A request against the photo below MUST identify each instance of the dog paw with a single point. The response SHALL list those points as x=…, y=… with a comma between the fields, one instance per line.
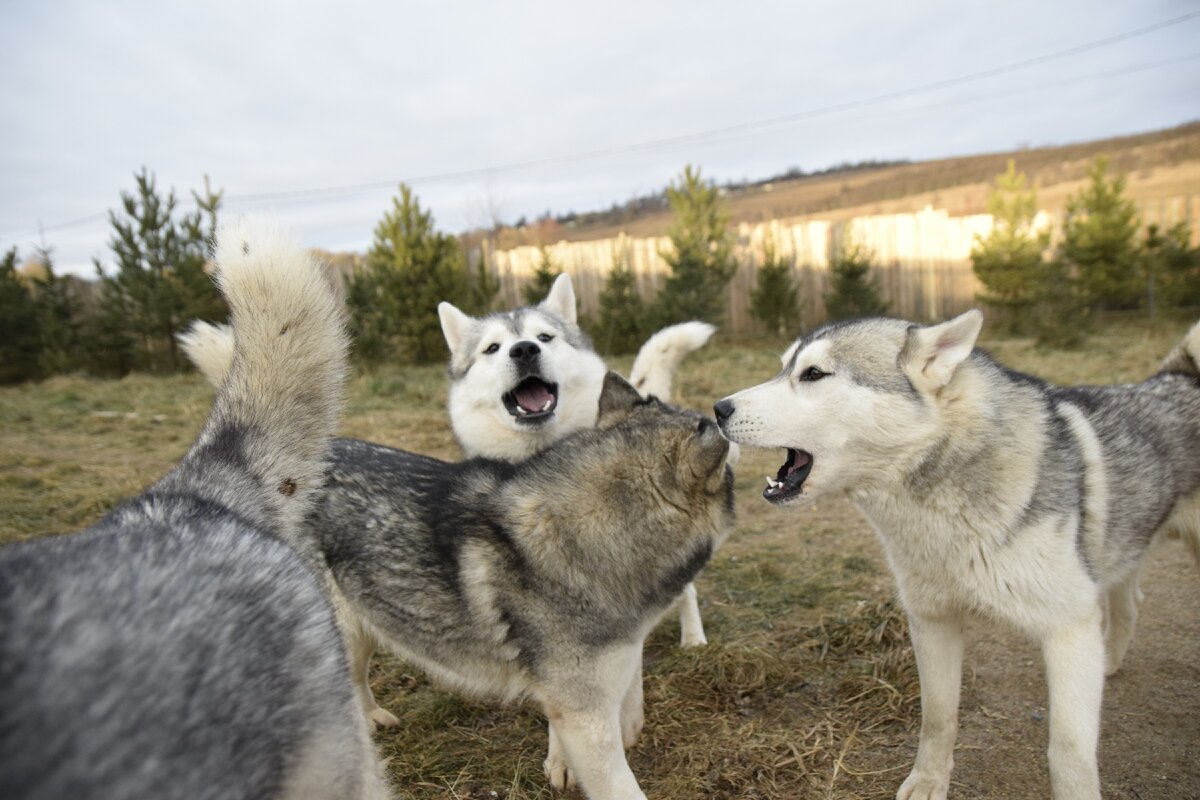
x=383, y=718
x=924, y=786
x=558, y=773
x=692, y=639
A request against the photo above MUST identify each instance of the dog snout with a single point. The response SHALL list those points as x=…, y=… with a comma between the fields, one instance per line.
x=524, y=352
x=723, y=410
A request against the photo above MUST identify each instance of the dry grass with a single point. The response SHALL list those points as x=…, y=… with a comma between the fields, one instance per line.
x=807, y=690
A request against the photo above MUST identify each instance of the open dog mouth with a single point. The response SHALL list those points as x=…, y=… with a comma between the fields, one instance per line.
x=532, y=400
x=789, y=481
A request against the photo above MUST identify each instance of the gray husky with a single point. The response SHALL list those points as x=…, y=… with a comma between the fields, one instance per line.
x=184, y=646
x=996, y=497
x=539, y=579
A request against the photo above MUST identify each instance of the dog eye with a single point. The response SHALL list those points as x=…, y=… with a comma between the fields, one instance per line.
x=544, y=337
x=813, y=374
x=491, y=348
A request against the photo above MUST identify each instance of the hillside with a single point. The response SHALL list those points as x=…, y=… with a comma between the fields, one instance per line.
x=1159, y=164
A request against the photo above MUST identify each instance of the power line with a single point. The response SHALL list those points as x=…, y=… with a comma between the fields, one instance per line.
x=682, y=139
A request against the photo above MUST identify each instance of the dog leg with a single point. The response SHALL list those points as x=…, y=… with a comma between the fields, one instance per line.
x=1075, y=674
x=691, y=627
x=1122, y=604
x=632, y=712
x=938, y=646
x=585, y=718
x=361, y=648
x=555, y=765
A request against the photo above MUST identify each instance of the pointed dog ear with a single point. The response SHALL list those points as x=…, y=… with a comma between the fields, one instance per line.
x=617, y=398
x=932, y=354
x=454, y=325
x=561, y=300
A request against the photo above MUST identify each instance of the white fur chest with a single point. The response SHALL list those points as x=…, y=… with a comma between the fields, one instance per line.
x=956, y=565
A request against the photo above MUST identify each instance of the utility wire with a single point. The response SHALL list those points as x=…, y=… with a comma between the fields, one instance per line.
x=683, y=139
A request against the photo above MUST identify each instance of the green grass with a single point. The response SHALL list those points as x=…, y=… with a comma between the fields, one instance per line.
x=807, y=689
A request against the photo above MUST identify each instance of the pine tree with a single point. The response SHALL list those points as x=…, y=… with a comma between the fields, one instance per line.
x=701, y=258
x=622, y=323
x=159, y=285
x=1009, y=260
x=538, y=287
x=410, y=269
x=1171, y=267
x=775, y=302
x=484, y=286
x=852, y=290
x=20, y=339
x=1100, y=242
x=58, y=318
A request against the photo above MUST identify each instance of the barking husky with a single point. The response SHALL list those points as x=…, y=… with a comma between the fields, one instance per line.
x=996, y=497
x=522, y=380
x=183, y=647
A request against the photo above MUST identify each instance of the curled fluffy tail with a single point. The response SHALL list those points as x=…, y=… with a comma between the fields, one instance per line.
x=279, y=396
x=1186, y=355
x=656, y=363
x=210, y=349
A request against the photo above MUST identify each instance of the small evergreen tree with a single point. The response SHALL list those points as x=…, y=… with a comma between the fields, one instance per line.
x=538, y=287
x=411, y=267
x=852, y=290
x=20, y=339
x=159, y=285
x=775, y=302
x=484, y=286
x=58, y=318
x=701, y=258
x=1171, y=267
x=1009, y=260
x=1099, y=244
x=622, y=323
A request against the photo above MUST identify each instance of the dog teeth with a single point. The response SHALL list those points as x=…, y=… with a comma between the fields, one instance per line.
x=521, y=411
x=772, y=483
x=549, y=403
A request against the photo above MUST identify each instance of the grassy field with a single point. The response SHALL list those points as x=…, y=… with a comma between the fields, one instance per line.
x=808, y=688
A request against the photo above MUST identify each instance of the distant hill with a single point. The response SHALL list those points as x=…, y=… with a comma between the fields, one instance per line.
x=1159, y=164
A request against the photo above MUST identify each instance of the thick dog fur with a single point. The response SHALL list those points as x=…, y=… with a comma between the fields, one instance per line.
x=182, y=647
x=539, y=579
x=996, y=497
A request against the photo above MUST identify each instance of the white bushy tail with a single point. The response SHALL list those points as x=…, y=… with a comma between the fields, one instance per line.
x=1186, y=355
x=279, y=395
x=654, y=368
x=210, y=349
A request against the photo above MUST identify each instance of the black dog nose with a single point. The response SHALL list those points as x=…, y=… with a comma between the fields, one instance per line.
x=524, y=352
x=723, y=409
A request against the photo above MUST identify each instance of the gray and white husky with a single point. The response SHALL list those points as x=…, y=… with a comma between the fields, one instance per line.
x=522, y=380
x=184, y=646
x=996, y=497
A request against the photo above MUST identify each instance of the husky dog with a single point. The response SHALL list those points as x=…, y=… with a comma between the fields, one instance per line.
x=184, y=647
x=539, y=579
x=521, y=380
x=996, y=497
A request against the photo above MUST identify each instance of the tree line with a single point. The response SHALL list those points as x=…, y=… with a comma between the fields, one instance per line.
x=129, y=318
x=1104, y=261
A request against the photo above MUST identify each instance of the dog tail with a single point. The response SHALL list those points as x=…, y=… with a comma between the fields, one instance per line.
x=1186, y=355
x=210, y=349
x=656, y=363
x=279, y=380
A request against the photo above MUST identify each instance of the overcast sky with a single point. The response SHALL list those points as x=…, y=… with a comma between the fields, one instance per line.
x=276, y=97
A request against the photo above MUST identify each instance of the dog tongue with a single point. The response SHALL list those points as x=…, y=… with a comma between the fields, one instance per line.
x=533, y=396
x=799, y=462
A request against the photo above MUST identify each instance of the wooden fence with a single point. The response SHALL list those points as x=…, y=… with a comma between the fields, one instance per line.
x=922, y=259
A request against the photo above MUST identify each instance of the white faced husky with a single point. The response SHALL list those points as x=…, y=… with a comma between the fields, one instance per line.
x=996, y=497
x=521, y=380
